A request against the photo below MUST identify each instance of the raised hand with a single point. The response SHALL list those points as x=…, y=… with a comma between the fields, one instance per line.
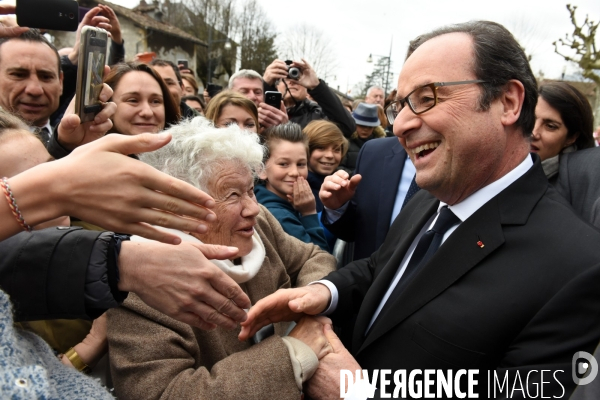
x=181, y=282
x=338, y=189
x=302, y=198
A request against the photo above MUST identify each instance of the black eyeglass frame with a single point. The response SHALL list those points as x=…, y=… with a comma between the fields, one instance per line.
x=391, y=114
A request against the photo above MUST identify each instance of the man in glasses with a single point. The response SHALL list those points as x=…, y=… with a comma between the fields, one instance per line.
x=486, y=268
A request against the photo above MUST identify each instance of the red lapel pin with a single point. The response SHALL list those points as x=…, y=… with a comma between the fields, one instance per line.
x=480, y=244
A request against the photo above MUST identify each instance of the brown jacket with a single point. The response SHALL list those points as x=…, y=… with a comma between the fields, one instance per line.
x=153, y=356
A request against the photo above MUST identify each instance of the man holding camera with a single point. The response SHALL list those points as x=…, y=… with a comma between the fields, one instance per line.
x=249, y=84
x=296, y=80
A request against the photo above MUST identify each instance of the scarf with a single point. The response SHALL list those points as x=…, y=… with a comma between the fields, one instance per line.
x=250, y=263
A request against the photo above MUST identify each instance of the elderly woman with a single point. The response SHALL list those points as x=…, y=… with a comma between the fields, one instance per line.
x=154, y=356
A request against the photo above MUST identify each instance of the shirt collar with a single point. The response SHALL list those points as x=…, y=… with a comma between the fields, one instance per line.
x=475, y=201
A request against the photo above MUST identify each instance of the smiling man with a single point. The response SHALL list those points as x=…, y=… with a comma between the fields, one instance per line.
x=486, y=268
x=30, y=79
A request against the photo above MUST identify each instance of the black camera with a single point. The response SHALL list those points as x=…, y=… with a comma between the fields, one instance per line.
x=293, y=72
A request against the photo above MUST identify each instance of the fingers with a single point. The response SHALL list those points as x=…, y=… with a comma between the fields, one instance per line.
x=102, y=120
x=270, y=116
x=7, y=9
x=217, y=252
x=12, y=31
x=179, y=190
x=193, y=320
x=273, y=308
x=354, y=181
x=205, y=316
x=332, y=338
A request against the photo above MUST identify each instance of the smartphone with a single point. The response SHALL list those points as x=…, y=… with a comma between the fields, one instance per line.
x=90, y=72
x=273, y=99
x=183, y=64
x=60, y=15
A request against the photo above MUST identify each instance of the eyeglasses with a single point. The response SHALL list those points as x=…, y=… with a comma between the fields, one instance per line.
x=422, y=99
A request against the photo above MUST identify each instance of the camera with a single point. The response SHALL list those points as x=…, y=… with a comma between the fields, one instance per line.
x=293, y=72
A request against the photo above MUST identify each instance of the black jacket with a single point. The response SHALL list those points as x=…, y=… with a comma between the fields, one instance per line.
x=60, y=272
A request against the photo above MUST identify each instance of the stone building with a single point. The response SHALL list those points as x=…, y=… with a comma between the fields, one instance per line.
x=143, y=31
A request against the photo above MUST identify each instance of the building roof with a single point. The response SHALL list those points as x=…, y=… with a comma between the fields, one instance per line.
x=150, y=23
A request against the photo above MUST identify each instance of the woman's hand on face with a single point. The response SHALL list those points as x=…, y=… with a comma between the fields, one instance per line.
x=302, y=198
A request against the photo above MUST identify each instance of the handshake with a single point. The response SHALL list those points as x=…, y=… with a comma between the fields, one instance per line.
x=302, y=304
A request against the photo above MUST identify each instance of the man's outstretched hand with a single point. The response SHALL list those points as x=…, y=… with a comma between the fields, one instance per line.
x=285, y=305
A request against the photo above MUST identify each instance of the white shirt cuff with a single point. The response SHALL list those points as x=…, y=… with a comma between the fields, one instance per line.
x=334, y=215
x=334, y=296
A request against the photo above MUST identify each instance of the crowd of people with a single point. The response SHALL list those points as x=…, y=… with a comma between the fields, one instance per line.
x=211, y=245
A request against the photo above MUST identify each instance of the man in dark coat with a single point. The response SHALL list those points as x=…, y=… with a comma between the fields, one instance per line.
x=487, y=268
x=300, y=109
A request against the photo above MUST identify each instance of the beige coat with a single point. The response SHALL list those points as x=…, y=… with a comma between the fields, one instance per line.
x=153, y=356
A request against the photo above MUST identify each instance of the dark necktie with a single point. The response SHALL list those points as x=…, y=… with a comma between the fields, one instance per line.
x=412, y=189
x=43, y=134
x=426, y=248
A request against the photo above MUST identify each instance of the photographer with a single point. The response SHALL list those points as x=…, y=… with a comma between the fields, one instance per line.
x=299, y=108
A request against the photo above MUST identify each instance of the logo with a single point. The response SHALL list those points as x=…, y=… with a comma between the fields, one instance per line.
x=587, y=370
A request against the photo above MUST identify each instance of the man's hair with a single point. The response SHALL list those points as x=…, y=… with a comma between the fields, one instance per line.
x=198, y=152
x=159, y=62
x=244, y=73
x=288, y=132
x=229, y=97
x=199, y=99
x=322, y=133
x=112, y=79
x=498, y=59
x=373, y=88
x=34, y=35
x=574, y=109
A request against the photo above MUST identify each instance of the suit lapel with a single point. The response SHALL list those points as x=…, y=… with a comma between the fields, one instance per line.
x=405, y=229
x=461, y=251
x=391, y=175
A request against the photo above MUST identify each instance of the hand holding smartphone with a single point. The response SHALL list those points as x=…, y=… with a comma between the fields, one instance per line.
x=61, y=15
x=273, y=99
x=90, y=72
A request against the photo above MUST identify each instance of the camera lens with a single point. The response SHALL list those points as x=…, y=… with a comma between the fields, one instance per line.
x=71, y=15
x=294, y=73
x=93, y=34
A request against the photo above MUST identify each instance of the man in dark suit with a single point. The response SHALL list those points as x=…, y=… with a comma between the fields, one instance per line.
x=579, y=182
x=487, y=268
x=362, y=210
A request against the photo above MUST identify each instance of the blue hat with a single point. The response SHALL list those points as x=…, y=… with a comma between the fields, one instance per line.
x=366, y=115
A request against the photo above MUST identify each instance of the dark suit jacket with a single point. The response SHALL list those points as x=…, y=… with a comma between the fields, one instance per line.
x=579, y=182
x=528, y=298
x=367, y=220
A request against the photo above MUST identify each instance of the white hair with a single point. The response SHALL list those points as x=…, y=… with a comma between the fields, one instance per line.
x=374, y=87
x=244, y=73
x=198, y=152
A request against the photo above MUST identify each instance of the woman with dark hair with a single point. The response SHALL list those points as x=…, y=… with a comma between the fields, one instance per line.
x=144, y=103
x=228, y=108
x=564, y=123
